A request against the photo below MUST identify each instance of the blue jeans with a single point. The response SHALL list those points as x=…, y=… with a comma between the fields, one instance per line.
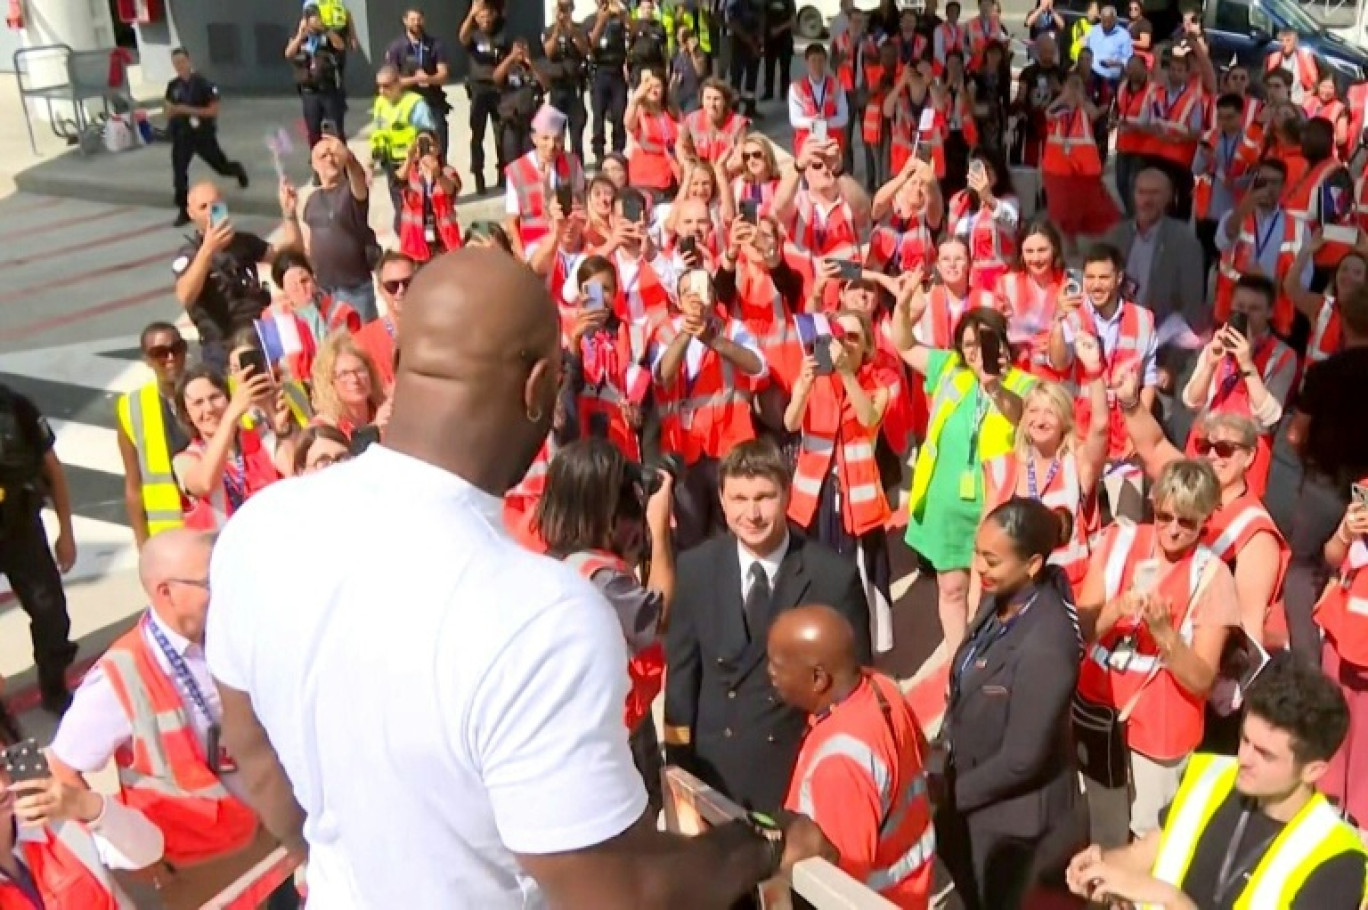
x=360, y=298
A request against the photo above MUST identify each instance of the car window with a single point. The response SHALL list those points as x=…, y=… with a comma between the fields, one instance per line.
x=1232, y=16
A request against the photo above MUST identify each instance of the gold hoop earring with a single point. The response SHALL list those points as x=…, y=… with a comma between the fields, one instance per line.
x=534, y=418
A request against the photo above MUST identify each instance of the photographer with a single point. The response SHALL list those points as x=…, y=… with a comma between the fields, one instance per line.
x=567, y=53
x=429, y=187
x=316, y=52
x=605, y=516
x=521, y=87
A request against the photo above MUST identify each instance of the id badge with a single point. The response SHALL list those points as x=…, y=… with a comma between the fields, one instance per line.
x=968, y=486
x=430, y=234
x=1122, y=655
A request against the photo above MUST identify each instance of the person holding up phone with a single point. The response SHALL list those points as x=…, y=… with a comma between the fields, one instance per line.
x=1071, y=171
x=986, y=214
x=825, y=213
x=652, y=133
x=817, y=98
x=427, y=222
x=976, y=404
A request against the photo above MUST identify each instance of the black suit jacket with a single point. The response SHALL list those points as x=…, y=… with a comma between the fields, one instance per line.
x=723, y=720
x=1008, y=722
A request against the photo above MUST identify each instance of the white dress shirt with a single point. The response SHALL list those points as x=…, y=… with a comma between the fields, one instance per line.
x=95, y=726
x=441, y=697
x=770, y=562
x=798, y=118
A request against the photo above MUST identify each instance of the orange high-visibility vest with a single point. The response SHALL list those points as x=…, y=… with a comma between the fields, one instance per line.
x=1239, y=256
x=602, y=398
x=522, y=499
x=871, y=124
x=710, y=415
x=992, y=244
x=761, y=307
x=936, y=328
x=1330, y=110
x=1062, y=490
x=1326, y=338
x=650, y=151
x=1229, y=530
x=646, y=668
x=835, y=237
x=1168, y=720
x=644, y=298
x=163, y=771
x=1343, y=607
x=868, y=750
x=1070, y=149
x=1302, y=198
x=1030, y=314
x=836, y=444
x=817, y=106
x=907, y=134
x=1137, y=330
x=529, y=184
x=211, y=512
x=1357, y=99
x=952, y=40
x=907, y=248
x=710, y=143
x=1173, y=114
x=762, y=193
x=1130, y=104
x=844, y=48
x=1228, y=158
x=67, y=873
x=980, y=35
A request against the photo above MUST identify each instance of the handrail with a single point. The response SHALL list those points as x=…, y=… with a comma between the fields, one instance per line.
x=250, y=890
x=691, y=807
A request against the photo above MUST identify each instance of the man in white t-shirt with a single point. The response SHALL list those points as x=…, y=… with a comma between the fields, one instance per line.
x=436, y=711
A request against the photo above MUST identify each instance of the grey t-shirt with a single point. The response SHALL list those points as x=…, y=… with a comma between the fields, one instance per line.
x=340, y=237
x=638, y=609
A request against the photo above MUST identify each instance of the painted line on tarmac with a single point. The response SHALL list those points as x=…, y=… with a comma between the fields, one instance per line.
x=82, y=277
x=107, y=240
x=57, y=322
x=75, y=220
x=37, y=202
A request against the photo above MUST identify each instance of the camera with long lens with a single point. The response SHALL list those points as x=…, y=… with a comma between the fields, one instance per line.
x=646, y=476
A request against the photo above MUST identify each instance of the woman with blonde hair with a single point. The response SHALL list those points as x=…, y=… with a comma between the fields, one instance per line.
x=757, y=170
x=1053, y=464
x=347, y=393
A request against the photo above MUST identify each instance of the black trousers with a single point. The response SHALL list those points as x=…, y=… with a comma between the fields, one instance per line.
x=569, y=100
x=745, y=69
x=441, y=117
x=184, y=147
x=320, y=108
x=609, y=99
x=1320, y=506
x=484, y=109
x=778, y=67
x=515, y=140
x=1205, y=228
x=26, y=560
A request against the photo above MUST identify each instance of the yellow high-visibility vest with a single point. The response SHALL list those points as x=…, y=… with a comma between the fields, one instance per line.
x=393, y=130
x=141, y=419
x=333, y=14
x=1314, y=836
x=703, y=32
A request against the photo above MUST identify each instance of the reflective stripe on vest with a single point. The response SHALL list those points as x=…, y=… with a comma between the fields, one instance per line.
x=1324, y=341
x=141, y=418
x=66, y=869
x=1224, y=546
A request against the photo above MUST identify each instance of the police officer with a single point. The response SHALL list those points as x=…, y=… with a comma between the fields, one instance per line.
x=424, y=66
x=746, y=28
x=397, y=117
x=648, y=45
x=567, y=51
x=192, y=105
x=316, y=52
x=216, y=271
x=482, y=35
x=608, y=88
x=520, y=94
x=30, y=474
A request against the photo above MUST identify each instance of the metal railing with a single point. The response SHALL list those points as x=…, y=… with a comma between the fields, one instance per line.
x=691, y=807
x=61, y=78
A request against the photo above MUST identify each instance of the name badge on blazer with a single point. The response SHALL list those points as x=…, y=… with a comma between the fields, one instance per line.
x=996, y=691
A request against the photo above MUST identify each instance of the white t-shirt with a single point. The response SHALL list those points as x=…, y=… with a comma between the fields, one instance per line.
x=440, y=697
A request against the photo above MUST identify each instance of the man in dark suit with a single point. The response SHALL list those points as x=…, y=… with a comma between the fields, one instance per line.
x=723, y=720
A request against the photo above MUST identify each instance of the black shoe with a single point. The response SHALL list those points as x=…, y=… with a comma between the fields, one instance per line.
x=480, y=187
x=768, y=96
x=182, y=219
x=56, y=701
x=243, y=180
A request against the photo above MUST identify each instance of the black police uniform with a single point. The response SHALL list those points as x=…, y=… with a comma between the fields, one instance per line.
x=411, y=57
x=565, y=69
x=191, y=136
x=746, y=17
x=486, y=52
x=232, y=296
x=25, y=555
x=318, y=77
x=648, y=48
x=608, y=86
x=519, y=97
x=778, y=67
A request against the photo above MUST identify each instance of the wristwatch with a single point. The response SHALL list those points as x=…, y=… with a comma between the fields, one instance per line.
x=766, y=827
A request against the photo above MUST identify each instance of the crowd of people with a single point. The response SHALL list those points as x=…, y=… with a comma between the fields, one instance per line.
x=722, y=385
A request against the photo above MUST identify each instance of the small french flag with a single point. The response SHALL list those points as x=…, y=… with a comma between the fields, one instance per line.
x=283, y=335
x=812, y=326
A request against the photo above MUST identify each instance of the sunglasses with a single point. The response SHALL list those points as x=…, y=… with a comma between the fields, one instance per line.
x=752, y=156
x=163, y=351
x=1222, y=447
x=395, y=285
x=1168, y=518
x=818, y=165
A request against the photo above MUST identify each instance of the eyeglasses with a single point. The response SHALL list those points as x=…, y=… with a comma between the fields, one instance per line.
x=163, y=351
x=201, y=583
x=1168, y=518
x=1223, y=448
x=357, y=374
x=395, y=285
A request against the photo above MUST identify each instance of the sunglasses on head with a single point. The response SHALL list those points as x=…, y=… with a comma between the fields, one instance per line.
x=163, y=351
x=1168, y=518
x=395, y=285
x=1222, y=447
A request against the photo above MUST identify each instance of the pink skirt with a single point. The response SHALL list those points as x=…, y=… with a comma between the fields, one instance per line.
x=1079, y=205
x=1346, y=781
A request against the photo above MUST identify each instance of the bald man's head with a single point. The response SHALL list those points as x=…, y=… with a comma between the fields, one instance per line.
x=174, y=570
x=813, y=661
x=479, y=368
x=202, y=195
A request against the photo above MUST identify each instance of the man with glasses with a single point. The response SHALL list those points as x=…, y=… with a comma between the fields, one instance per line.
x=150, y=436
x=150, y=705
x=379, y=338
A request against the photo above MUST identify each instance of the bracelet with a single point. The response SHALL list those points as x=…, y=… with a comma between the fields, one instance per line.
x=1342, y=535
x=766, y=828
x=1128, y=406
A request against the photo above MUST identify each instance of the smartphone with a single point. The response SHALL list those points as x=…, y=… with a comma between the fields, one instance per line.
x=750, y=211
x=1073, y=283
x=688, y=246
x=849, y=269
x=565, y=196
x=25, y=761
x=924, y=152
x=1360, y=493
x=593, y=296
x=977, y=170
x=696, y=282
x=424, y=145
x=218, y=213
x=990, y=345
x=632, y=209
x=1240, y=323
x=821, y=352
x=1146, y=576
x=328, y=128
x=819, y=130
x=253, y=360
x=362, y=438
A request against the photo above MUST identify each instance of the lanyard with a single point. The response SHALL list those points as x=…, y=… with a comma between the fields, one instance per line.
x=180, y=670
x=389, y=327
x=1031, y=489
x=1261, y=242
x=1227, y=152
x=235, y=481
x=981, y=642
x=1230, y=873
x=416, y=49
x=980, y=413
x=1165, y=109
x=819, y=101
